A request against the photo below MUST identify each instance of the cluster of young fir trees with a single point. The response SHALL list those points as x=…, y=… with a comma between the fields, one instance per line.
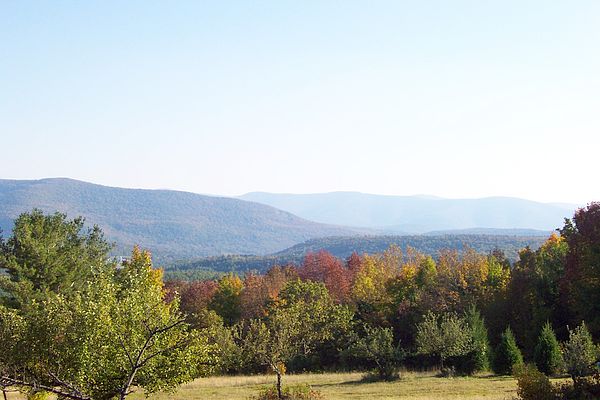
x=75, y=324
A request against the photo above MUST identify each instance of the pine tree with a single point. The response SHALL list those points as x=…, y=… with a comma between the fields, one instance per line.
x=478, y=358
x=547, y=355
x=579, y=352
x=507, y=354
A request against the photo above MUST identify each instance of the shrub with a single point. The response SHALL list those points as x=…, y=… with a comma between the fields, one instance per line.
x=584, y=388
x=293, y=392
x=533, y=384
x=445, y=336
x=507, y=354
x=377, y=348
x=547, y=355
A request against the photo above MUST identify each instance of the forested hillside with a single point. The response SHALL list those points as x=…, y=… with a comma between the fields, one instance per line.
x=343, y=247
x=171, y=224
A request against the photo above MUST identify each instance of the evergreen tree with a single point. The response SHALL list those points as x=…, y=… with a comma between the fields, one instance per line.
x=580, y=353
x=547, y=355
x=507, y=354
x=478, y=359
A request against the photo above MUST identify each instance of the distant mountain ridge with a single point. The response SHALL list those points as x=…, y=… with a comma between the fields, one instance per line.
x=172, y=224
x=493, y=232
x=418, y=214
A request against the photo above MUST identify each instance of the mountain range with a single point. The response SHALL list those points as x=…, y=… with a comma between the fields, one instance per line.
x=177, y=225
x=420, y=214
x=172, y=224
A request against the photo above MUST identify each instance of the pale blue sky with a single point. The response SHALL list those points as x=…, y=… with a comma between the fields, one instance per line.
x=451, y=98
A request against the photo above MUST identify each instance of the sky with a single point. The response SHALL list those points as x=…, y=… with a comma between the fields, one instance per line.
x=457, y=99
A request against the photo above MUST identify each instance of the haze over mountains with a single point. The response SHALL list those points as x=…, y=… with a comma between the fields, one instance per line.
x=178, y=225
x=173, y=224
x=420, y=214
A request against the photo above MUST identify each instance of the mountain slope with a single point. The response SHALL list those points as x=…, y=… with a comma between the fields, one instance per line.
x=418, y=214
x=172, y=224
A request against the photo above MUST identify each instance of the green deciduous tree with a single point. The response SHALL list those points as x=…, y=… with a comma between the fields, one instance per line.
x=226, y=301
x=303, y=317
x=114, y=332
x=377, y=346
x=443, y=336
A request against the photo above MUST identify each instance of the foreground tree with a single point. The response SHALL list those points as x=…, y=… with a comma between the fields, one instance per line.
x=49, y=253
x=301, y=319
x=115, y=332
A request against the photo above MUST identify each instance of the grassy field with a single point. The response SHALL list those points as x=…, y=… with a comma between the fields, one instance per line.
x=413, y=386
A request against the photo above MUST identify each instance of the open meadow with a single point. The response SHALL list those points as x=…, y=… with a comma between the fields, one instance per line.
x=338, y=386
x=334, y=386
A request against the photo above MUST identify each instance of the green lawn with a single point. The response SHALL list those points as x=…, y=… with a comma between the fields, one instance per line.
x=413, y=386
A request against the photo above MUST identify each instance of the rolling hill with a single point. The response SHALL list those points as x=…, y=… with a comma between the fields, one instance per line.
x=342, y=247
x=172, y=224
x=418, y=214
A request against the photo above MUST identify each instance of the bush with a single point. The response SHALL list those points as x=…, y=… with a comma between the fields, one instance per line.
x=533, y=384
x=377, y=348
x=294, y=392
x=585, y=388
x=547, y=355
x=507, y=354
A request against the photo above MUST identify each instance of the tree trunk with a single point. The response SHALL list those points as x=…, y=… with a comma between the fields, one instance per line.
x=279, y=394
x=4, y=394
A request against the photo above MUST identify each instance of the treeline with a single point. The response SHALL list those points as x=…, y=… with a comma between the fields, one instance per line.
x=463, y=311
x=343, y=246
x=74, y=323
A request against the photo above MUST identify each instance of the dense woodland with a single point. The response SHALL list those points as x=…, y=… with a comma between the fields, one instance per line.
x=343, y=246
x=74, y=323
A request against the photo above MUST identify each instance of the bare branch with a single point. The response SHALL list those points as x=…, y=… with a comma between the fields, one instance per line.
x=59, y=392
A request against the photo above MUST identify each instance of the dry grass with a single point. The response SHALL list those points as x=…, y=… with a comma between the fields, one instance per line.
x=412, y=386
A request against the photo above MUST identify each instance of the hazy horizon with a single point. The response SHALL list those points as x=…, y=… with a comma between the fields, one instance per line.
x=240, y=195
x=458, y=100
